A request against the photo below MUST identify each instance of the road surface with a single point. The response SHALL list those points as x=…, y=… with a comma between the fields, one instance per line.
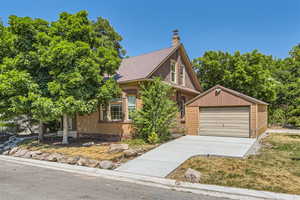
x=23, y=182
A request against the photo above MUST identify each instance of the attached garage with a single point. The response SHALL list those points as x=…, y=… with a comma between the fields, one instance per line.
x=224, y=112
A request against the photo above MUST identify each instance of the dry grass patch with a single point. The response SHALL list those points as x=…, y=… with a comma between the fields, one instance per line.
x=276, y=168
x=98, y=151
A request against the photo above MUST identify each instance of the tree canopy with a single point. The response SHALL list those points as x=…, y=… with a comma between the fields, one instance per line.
x=275, y=81
x=61, y=67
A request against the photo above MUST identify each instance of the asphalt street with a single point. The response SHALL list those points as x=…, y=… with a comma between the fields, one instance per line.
x=23, y=182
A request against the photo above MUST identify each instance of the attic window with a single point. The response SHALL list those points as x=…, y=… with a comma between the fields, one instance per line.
x=173, y=71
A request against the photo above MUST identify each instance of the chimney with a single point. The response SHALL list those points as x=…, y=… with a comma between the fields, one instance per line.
x=175, y=38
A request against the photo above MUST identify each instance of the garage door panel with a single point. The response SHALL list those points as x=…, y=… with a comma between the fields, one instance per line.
x=224, y=121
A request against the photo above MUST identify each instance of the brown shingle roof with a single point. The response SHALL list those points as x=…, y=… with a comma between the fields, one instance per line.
x=139, y=67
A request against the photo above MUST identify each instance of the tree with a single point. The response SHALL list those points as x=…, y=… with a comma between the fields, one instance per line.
x=286, y=108
x=81, y=55
x=248, y=73
x=65, y=62
x=158, y=113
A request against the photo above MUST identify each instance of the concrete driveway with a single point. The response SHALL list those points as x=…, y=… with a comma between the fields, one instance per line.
x=164, y=159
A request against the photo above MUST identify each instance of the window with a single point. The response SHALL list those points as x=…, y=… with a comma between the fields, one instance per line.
x=116, y=111
x=182, y=75
x=131, y=105
x=173, y=71
x=113, y=111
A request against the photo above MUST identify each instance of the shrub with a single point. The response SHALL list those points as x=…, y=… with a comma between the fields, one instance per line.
x=158, y=113
x=153, y=138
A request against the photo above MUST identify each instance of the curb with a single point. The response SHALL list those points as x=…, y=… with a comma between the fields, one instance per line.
x=210, y=190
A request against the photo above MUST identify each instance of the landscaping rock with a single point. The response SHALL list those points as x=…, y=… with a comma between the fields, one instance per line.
x=106, y=164
x=43, y=156
x=114, y=148
x=55, y=157
x=72, y=160
x=88, y=144
x=5, y=153
x=130, y=153
x=14, y=150
x=82, y=162
x=192, y=176
x=93, y=163
x=21, y=152
x=28, y=154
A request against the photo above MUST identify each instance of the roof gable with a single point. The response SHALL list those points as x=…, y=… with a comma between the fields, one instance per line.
x=139, y=67
x=232, y=92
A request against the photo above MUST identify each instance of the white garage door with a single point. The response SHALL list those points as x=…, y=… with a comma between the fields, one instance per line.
x=224, y=121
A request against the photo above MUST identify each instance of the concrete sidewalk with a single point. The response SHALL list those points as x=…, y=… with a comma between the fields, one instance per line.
x=164, y=159
x=285, y=130
x=211, y=190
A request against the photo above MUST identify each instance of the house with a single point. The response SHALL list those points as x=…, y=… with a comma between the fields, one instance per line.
x=218, y=111
x=171, y=64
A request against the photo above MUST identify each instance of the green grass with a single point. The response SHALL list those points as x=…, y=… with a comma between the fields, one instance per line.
x=276, y=168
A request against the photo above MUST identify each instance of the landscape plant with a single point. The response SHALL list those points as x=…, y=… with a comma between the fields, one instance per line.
x=157, y=116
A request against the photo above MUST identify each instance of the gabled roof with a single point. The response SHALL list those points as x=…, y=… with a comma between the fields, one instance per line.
x=233, y=92
x=139, y=67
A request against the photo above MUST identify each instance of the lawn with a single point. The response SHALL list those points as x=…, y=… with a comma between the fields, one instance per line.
x=98, y=151
x=276, y=168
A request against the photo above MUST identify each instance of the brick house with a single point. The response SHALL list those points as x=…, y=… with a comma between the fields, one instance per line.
x=171, y=64
x=216, y=112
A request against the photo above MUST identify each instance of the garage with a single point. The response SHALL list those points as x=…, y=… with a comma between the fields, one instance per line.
x=224, y=121
x=220, y=111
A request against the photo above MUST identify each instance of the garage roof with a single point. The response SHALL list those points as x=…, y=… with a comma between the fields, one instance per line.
x=233, y=92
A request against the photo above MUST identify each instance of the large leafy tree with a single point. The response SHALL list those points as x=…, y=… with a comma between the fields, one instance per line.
x=249, y=73
x=286, y=108
x=66, y=61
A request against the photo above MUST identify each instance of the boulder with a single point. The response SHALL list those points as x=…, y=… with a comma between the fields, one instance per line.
x=21, y=152
x=93, y=163
x=55, y=157
x=43, y=156
x=28, y=154
x=82, y=162
x=13, y=150
x=130, y=153
x=192, y=176
x=5, y=153
x=106, y=164
x=114, y=148
x=72, y=160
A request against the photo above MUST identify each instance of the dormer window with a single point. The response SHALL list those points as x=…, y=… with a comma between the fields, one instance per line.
x=173, y=71
x=182, y=75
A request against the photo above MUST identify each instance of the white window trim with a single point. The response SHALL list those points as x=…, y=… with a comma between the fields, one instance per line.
x=171, y=70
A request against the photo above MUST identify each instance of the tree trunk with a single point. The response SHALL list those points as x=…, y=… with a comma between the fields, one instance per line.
x=41, y=131
x=65, y=129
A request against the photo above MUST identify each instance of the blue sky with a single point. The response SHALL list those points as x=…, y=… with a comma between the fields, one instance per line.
x=271, y=26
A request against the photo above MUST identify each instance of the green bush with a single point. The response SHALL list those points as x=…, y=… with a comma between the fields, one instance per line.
x=153, y=138
x=158, y=114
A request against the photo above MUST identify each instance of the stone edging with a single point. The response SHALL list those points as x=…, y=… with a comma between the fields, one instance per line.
x=211, y=190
